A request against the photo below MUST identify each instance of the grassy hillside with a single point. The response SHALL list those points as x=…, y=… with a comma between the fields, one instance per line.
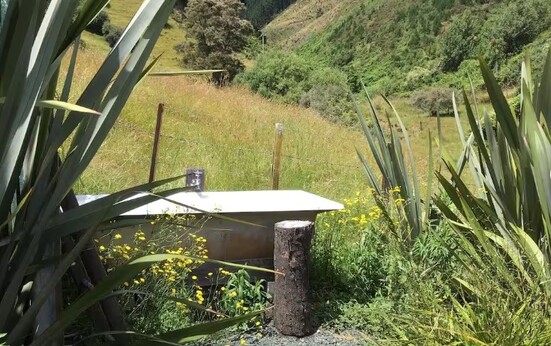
x=120, y=13
x=401, y=45
x=304, y=19
x=229, y=132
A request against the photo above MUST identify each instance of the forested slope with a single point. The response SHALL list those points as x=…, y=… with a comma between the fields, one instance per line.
x=401, y=45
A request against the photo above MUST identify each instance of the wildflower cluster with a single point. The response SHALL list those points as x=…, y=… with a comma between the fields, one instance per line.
x=368, y=221
x=121, y=250
x=358, y=213
x=172, y=286
x=171, y=234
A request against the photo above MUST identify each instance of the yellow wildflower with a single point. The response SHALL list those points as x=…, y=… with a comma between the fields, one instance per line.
x=118, y=236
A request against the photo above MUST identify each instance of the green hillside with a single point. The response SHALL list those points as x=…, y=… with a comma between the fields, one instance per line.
x=120, y=13
x=401, y=45
x=262, y=12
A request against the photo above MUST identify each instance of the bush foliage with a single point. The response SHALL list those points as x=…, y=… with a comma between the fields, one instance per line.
x=96, y=26
x=434, y=100
x=396, y=46
x=291, y=78
x=476, y=270
x=111, y=33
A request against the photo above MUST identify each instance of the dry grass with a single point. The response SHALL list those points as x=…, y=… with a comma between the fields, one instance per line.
x=296, y=24
x=229, y=132
x=121, y=12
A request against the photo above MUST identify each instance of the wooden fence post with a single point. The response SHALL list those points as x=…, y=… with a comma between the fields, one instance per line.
x=276, y=162
x=292, y=300
x=160, y=111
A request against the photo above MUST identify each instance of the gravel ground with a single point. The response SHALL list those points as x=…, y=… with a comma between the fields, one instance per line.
x=322, y=337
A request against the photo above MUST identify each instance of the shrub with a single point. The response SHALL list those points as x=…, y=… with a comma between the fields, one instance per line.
x=330, y=96
x=331, y=101
x=96, y=26
x=417, y=77
x=150, y=311
x=292, y=78
x=111, y=33
x=459, y=40
x=279, y=75
x=433, y=100
x=519, y=23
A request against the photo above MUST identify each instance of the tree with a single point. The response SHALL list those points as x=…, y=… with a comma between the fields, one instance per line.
x=459, y=41
x=217, y=33
x=433, y=100
x=519, y=23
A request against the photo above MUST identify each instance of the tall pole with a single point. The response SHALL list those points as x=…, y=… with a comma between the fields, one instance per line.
x=160, y=111
x=276, y=163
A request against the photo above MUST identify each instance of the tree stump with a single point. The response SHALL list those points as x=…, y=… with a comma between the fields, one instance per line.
x=292, y=301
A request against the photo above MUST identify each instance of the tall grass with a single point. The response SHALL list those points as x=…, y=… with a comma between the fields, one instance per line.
x=227, y=131
x=230, y=131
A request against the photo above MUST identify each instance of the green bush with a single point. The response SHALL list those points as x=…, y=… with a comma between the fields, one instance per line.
x=291, y=78
x=279, y=75
x=417, y=77
x=111, y=33
x=434, y=100
x=365, y=273
x=96, y=26
x=330, y=96
x=459, y=41
x=519, y=23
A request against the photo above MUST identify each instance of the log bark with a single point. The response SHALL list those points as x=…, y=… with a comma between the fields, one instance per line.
x=292, y=297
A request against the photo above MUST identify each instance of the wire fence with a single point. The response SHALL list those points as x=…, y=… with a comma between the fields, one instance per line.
x=240, y=148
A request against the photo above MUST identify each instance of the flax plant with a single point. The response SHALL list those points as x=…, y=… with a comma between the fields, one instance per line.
x=500, y=217
x=394, y=183
x=508, y=210
x=35, y=121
